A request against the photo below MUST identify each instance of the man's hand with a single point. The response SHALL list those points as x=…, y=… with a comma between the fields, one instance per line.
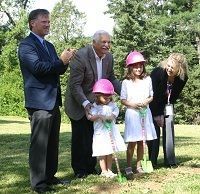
x=88, y=107
x=67, y=55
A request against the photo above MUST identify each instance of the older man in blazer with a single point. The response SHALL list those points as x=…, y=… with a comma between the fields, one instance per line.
x=90, y=64
x=41, y=68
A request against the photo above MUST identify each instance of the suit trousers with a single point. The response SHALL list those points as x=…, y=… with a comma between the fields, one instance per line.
x=168, y=143
x=44, y=143
x=81, y=148
x=153, y=146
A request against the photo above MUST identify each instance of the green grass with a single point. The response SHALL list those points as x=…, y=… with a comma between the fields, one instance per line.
x=14, y=170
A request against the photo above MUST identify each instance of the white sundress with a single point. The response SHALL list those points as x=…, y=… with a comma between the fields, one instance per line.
x=137, y=92
x=101, y=138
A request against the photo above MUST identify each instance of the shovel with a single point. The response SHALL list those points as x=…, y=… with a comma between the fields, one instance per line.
x=146, y=164
x=120, y=178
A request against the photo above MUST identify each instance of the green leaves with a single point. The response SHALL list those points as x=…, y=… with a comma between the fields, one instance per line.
x=67, y=25
x=11, y=94
x=158, y=28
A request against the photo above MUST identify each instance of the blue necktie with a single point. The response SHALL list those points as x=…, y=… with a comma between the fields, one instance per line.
x=45, y=46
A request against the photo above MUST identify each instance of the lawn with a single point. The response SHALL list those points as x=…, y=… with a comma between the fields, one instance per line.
x=14, y=170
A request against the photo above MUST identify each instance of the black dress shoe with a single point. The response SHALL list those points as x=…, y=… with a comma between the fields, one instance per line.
x=155, y=166
x=171, y=165
x=80, y=175
x=56, y=181
x=154, y=163
x=43, y=190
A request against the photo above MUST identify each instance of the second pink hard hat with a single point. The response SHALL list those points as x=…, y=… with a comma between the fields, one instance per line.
x=134, y=57
x=103, y=86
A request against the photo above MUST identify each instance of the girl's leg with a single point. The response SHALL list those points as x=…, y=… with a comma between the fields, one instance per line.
x=103, y=164
x=129, y=153
x=109, y=167
x=129, y=156
x=109, y=162
x=106, y=165
x=140, y=153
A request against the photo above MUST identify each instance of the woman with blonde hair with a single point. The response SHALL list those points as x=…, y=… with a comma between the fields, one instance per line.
x=168, y=81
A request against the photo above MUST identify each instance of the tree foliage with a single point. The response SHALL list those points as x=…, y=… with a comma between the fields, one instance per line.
x=66, y=32
x=10, y=11
x=12, y=30
x=158, y=28
x=155, y=27
x=67, y=24
x=8, y=57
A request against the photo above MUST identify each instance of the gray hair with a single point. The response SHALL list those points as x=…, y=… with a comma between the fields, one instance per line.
x=97, y=35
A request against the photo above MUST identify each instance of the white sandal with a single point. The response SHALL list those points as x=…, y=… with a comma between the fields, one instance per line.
x=111, y=174
x=139, y=170
x=104, y=174
x=108, y=174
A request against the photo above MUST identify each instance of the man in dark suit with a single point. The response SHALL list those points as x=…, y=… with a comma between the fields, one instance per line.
x=41, y=68
x=90, y=64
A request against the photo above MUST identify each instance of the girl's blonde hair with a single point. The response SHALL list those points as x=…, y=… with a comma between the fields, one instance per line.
x=180, y=61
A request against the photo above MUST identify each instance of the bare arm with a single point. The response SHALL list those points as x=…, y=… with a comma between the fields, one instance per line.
x=147, y=101
x=93, y=117
x=130, y=104
x=99, y=117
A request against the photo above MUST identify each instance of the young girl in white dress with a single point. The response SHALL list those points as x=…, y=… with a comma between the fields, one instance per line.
x=136, y=93
x=107, y=138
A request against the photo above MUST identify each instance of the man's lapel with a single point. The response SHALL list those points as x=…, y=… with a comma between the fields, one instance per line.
x=93, y=62
x=39, y=44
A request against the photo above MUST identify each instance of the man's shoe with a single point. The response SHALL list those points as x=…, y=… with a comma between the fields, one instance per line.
x=56, y=181
x=43, y=190
x=80, y=175
x=65, y=182
x=171, y=165
x=94, y=172
x=154, y=164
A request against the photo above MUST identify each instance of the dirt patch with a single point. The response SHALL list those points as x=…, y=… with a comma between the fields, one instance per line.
x=146, y=183
x=106, y=188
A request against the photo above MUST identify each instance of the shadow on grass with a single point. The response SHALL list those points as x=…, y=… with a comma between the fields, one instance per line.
x=14, y=173
x=3, y=122
x=185, y=141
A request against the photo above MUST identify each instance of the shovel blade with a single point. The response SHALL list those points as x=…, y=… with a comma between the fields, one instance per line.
x=121, y=178
x=147, y=166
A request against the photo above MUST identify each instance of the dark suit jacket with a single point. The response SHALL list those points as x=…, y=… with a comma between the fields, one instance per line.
x=83, y=75
x=159, y=81
x=40, y=73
